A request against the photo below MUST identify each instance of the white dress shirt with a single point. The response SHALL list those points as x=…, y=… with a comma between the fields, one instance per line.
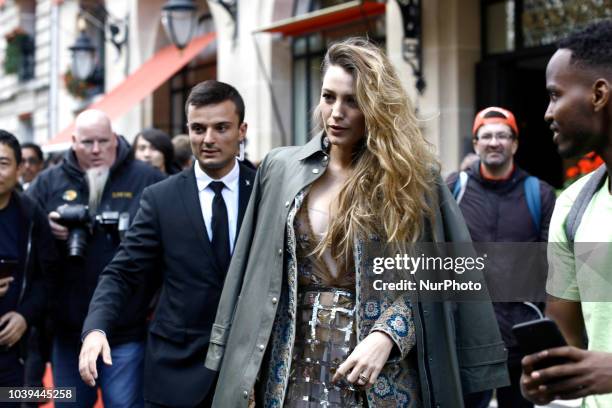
x=230, y=196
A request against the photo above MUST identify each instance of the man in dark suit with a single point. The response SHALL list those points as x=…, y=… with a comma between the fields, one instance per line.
x=183, y=234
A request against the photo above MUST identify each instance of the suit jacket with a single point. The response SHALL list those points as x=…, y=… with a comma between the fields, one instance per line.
x=168, y=241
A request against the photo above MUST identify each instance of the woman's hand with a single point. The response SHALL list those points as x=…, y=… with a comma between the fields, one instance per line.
x=366, y=361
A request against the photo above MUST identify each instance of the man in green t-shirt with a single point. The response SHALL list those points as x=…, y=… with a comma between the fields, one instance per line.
x=579, y=83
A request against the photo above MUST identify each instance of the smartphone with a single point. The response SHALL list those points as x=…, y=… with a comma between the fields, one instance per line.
x=7, y=267
x=538, y=335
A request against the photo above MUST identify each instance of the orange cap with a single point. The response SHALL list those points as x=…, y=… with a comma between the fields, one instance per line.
x=494, y=114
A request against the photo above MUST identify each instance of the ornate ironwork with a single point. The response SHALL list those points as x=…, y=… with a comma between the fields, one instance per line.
x=412, y=49
x=231, y=6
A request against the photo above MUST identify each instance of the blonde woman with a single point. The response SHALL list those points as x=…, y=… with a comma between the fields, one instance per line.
x=296, y=325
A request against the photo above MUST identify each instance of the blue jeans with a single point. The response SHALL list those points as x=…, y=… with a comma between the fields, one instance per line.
x=121, y=383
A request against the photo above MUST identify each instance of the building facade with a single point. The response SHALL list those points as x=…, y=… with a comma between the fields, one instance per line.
x=453, y=56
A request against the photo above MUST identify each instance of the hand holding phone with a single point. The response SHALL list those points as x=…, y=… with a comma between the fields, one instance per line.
x=539, y=335
x=7, y=267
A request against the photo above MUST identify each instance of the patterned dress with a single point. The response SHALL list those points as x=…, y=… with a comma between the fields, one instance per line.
x=325, y=327
x=397, y=385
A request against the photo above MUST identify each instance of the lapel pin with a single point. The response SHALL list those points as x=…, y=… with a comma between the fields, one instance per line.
x=248, y=182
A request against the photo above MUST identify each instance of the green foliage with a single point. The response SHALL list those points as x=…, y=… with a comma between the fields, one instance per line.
x=13, y=54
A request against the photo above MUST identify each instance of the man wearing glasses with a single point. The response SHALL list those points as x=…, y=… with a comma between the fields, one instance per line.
x=32, y=163
x=90, y=198
x=503, y=203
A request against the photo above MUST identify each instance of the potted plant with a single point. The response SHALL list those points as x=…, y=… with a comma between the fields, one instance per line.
x=18, y=45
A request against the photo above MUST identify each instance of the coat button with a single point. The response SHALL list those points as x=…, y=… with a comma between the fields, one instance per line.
x=287, y=203
x=280, y=252
x=261, y=347
x=274, y=300
x=315, y=171
x=245, y=394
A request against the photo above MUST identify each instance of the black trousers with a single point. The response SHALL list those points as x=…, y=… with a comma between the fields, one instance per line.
x=11, y=373
x=510, y=396
x=206, y=403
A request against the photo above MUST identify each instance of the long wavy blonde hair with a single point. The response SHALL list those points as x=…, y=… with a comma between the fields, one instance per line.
x=391, y=190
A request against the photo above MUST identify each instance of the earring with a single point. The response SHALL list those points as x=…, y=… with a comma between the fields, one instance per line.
x=241, y=154
x=326, y=144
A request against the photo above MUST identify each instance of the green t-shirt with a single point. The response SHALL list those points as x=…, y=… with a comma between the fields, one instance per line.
x=584, y=273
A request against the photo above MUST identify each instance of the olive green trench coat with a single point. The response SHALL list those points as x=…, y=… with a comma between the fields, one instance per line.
x=458, y=345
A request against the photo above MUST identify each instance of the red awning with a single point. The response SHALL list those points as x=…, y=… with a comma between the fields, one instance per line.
x=328, y=17
x=142, y=82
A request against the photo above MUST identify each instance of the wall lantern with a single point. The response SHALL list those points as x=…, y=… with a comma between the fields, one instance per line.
x=179, y=21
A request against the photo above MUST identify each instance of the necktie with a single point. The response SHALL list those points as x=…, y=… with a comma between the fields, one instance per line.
x=219, y=226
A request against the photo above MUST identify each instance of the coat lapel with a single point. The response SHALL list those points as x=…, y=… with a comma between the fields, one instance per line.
x=245, y=186
x=191, y=201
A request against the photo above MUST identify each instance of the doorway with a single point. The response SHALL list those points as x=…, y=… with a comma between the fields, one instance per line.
x=517, y=82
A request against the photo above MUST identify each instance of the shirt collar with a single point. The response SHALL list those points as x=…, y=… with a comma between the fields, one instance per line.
x=230, y=179
x=315, y=145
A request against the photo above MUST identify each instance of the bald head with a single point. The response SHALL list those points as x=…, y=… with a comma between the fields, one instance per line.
x=93, y=118
x=94, y=142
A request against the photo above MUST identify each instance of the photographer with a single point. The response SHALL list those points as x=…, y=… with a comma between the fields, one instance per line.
x=26, y=255
x=90, y=198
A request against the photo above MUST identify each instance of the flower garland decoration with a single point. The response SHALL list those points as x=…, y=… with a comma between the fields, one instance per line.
x=76, y=87
x=13, y=54
x=587, y=163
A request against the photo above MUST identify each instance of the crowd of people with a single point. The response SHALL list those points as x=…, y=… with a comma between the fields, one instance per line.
x=172, y=273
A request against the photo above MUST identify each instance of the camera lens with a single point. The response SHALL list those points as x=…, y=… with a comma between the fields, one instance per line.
x=77, y=242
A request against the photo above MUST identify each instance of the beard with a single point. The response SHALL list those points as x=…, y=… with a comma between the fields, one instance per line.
x=96, y=181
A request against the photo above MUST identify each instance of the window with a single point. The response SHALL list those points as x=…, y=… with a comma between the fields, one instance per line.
x=180, y=86
x=500, y=27
x=308, y=52
x=539, y=23
x=95, y=15
x=547, y=21
x=171, y=117
x=27, y=23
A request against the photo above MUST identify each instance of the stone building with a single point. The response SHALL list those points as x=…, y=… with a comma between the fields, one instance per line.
x=469, y=54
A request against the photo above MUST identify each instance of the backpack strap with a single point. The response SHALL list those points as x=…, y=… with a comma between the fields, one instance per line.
x=460, y=186
x=574, y=217
x=534, y=201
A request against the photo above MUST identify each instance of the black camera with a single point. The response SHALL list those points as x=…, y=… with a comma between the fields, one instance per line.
x=114, y=222
x=76, y=218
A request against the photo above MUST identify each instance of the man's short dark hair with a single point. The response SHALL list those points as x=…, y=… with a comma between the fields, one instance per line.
x=37, y=150
x=591, y=46
x=11, y=141
x=212, y=92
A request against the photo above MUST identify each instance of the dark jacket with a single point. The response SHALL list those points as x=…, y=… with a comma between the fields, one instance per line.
x=74, y=286
x=38, y=259
x=168, y=237
x=37, y=262
x=458, y=346
x=497, y=211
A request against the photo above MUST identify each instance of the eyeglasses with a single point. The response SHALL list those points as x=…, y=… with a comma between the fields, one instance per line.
x=32, y=161
x=502, y=137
